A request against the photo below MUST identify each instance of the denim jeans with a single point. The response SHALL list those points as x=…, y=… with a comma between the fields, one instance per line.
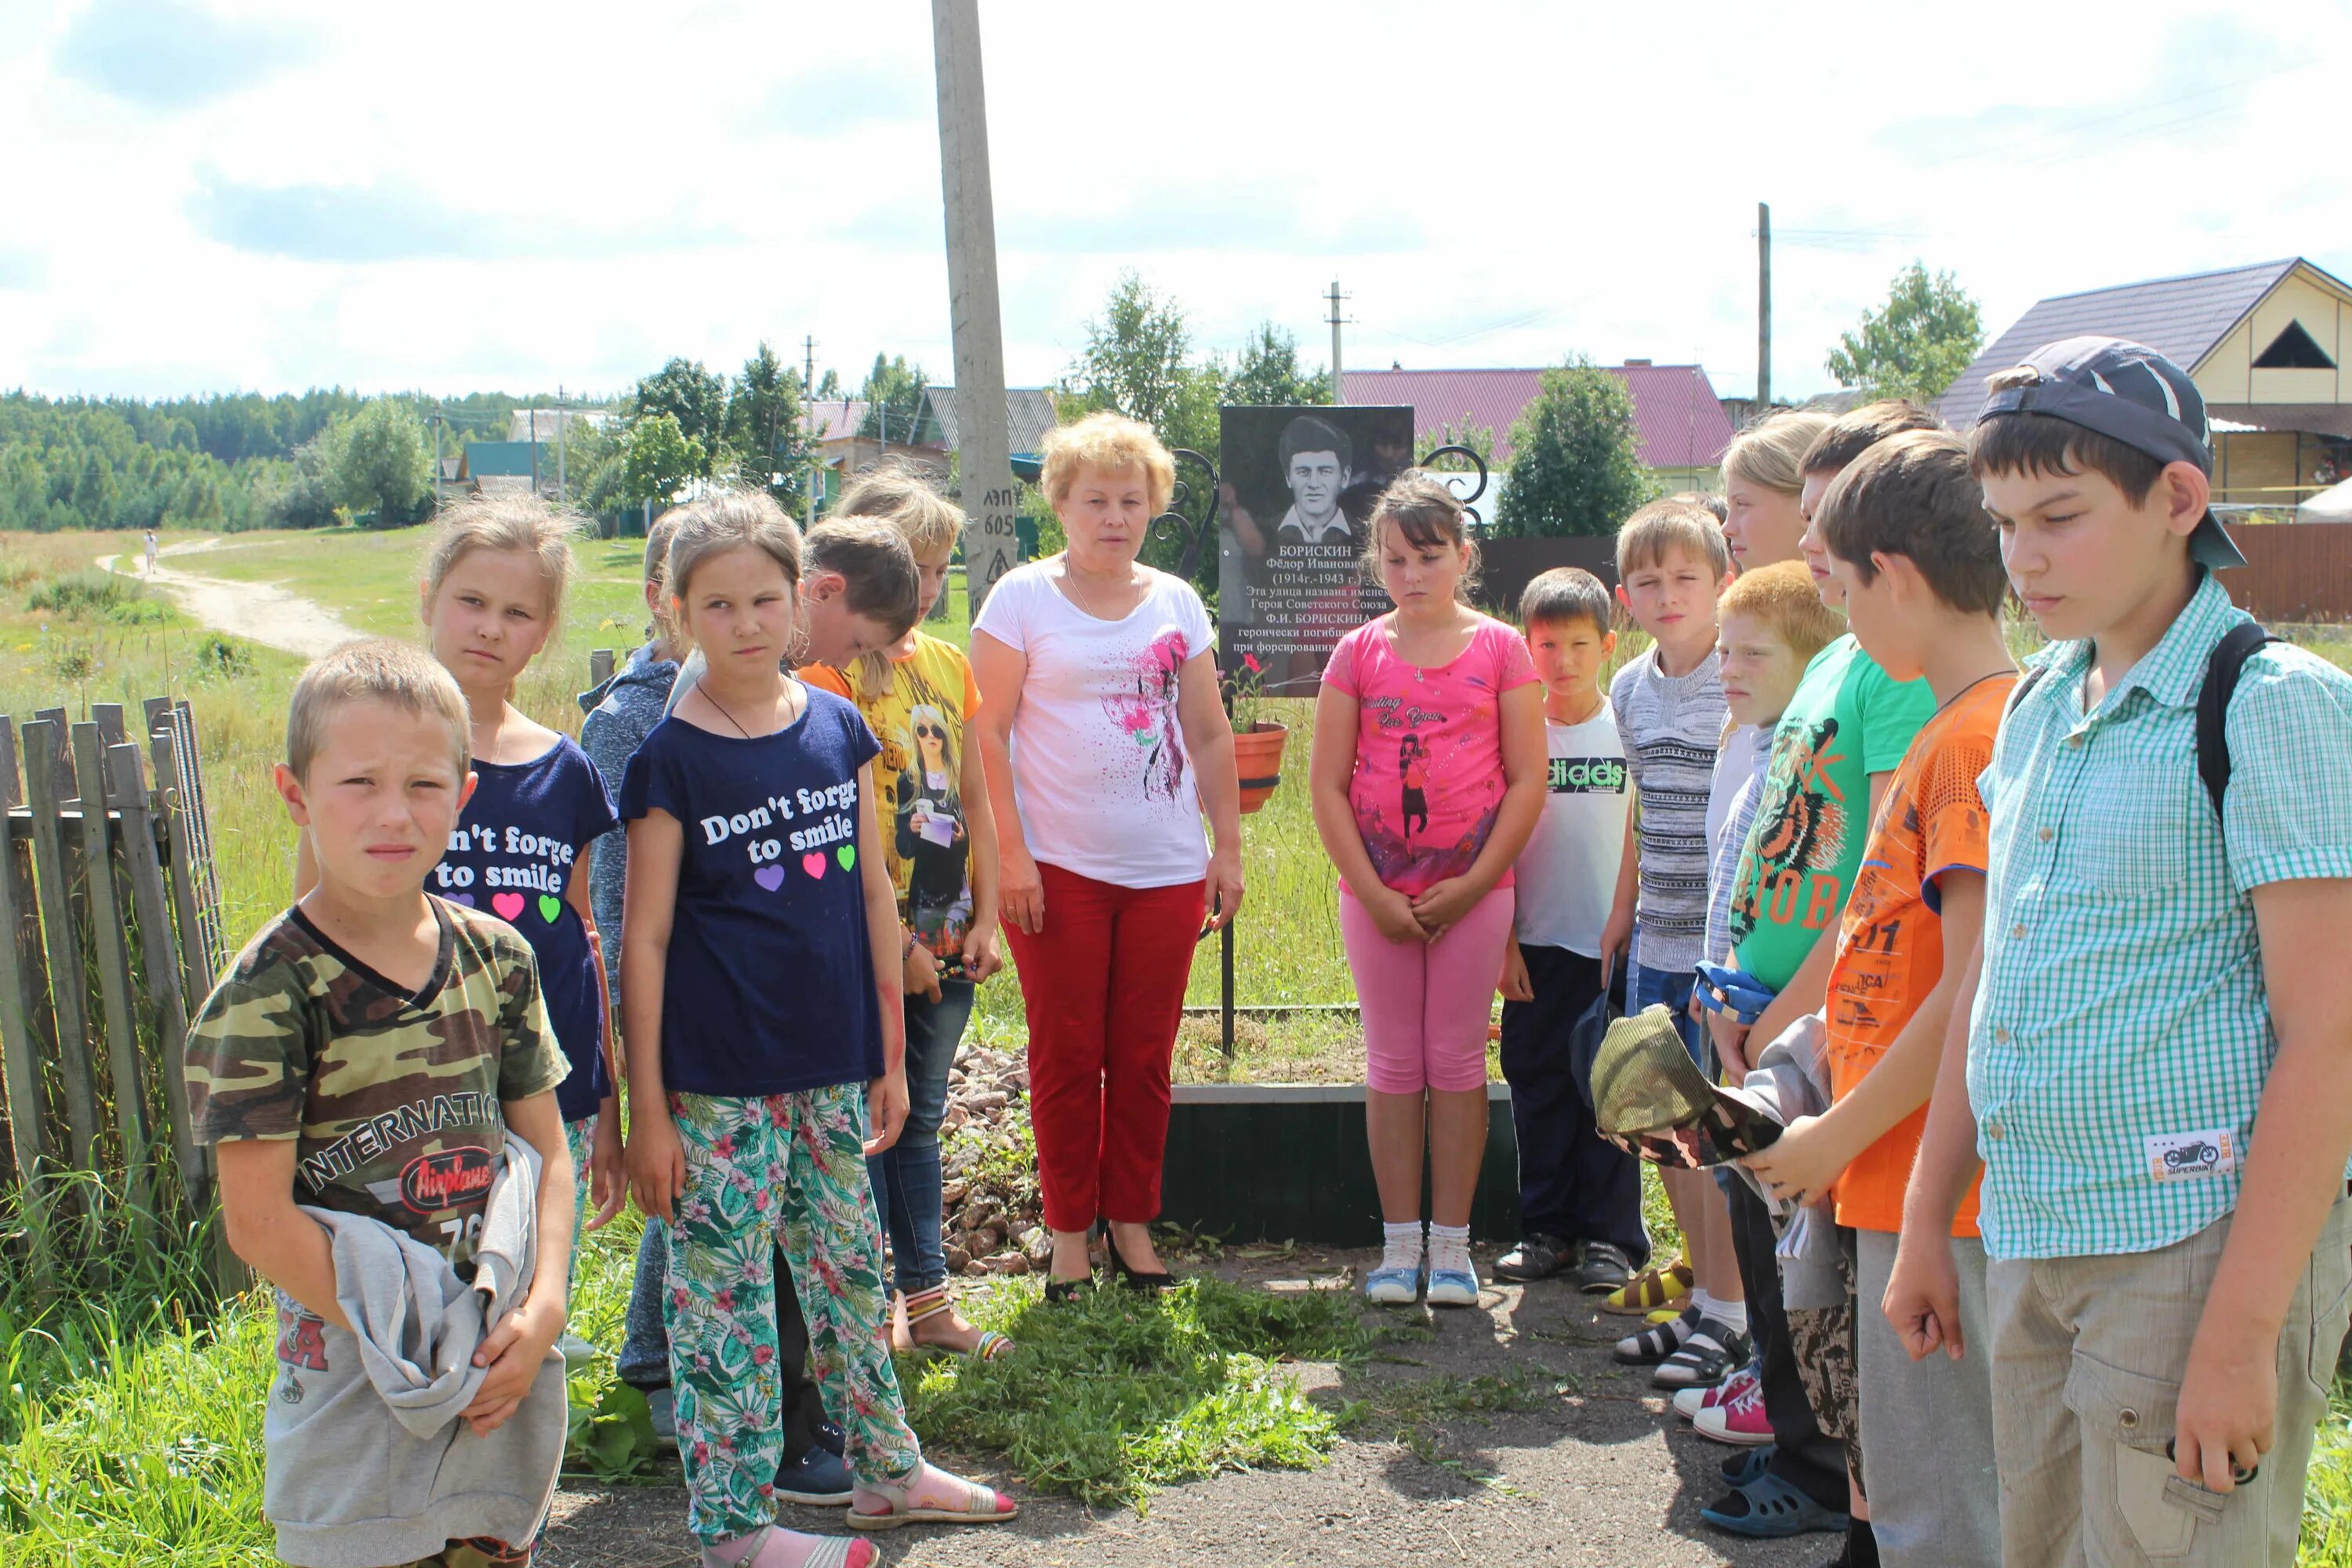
x=905, y=1177
x=643, y=1361
x=1649, y=987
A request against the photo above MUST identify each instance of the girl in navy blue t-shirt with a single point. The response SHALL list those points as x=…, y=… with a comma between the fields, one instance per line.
x=760, y=997
x=494, y=580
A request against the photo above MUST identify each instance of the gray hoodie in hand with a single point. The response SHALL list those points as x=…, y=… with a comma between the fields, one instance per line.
x=369, y=1463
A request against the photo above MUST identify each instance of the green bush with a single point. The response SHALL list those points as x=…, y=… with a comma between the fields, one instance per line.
x=88, y=591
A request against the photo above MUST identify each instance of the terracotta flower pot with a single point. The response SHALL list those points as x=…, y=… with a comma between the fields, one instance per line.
x=1258, y=756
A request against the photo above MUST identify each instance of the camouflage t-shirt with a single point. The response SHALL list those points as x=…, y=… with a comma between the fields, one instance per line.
x=392, y=1096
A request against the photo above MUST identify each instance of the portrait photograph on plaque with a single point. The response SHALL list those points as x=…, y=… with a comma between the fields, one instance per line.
x=1299, y=484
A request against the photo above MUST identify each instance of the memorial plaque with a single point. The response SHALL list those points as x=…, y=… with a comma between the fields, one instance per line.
x=1299, y=484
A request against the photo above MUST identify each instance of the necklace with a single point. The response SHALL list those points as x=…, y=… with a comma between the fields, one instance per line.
x=497, y=733
x=1979, y=681
x=1086, y=603
x=723, y=713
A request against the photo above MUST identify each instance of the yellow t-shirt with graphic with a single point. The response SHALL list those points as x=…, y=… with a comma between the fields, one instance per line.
x=920, y=717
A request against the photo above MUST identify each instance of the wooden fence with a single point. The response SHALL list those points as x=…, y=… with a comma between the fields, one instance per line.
x=2293, y=571
x=109, y=934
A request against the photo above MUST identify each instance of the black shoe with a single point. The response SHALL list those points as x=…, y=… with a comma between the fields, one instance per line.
x=829, y=1438
x=1538, y=1258
x=1058, y=1290
x=1133, y=1278
x=815, y=1479
x=1603, y=1267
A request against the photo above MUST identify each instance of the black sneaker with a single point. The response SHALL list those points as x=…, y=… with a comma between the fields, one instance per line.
x=1603, y=1267
x=1538, y=1258
x=815, y=1479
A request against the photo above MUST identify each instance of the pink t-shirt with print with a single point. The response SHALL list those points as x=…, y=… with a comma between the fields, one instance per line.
x=1428, y=783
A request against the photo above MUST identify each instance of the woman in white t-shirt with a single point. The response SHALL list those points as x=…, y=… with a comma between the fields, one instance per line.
x=1104, y=743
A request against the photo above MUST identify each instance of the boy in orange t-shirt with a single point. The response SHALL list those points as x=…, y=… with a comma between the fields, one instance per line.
x=1920, y=562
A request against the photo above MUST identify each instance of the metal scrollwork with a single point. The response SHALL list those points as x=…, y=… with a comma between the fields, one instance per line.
x=1174, y=524
x=1469, y=507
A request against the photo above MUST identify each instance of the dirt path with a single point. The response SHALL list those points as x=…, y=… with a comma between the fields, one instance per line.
x=260, y=612
x=1602, y=1474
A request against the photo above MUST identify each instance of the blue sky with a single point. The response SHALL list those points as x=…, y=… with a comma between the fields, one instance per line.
x=254, y=194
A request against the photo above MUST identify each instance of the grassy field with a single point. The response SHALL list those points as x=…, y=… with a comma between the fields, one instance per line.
x=130, y=1412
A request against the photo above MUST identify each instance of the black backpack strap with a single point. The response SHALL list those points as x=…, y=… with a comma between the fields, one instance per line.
x=2025, y=684
x=2222, y=667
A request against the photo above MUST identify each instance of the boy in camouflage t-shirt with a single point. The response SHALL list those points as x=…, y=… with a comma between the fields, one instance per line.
x=371, y=1048
x=391, y=1094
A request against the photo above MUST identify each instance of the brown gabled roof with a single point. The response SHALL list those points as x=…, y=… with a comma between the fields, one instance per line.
x=2181, y=318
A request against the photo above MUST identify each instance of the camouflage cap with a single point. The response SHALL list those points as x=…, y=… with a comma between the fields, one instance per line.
x=1652, y=1101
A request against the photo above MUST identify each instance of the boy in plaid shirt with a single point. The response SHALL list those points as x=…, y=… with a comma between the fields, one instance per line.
x=2158, y=1069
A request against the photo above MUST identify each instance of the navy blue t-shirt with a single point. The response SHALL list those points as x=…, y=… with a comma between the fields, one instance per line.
x=512, y=855
x=770, y=986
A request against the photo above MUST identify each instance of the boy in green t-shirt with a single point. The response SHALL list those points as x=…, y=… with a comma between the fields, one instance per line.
x=1834, y=751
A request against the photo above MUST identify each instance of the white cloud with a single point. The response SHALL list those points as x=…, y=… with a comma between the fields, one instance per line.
x=462, y=196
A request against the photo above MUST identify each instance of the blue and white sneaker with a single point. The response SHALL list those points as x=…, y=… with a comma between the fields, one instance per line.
x=1393, y=1287
x=1454, y=1287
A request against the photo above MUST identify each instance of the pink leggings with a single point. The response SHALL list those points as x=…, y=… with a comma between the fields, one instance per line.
x=1426, y=1004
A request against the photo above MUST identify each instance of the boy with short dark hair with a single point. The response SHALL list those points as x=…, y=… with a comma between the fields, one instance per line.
x=1907, y=538
x=1579, y=1195
x=374, y=1054
x=2159, y=1061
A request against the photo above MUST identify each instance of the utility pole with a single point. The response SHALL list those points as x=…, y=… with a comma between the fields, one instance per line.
x=990, y=498
x=1763, y=307
x=436, y=462
x=1336, y=394
x=808, y=414
x=562, y=426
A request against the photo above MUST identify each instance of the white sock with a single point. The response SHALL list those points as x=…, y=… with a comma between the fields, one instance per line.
x=1703, y=1301
x=1400, y=1245
x=1449, y=1247
x=1732, y=1315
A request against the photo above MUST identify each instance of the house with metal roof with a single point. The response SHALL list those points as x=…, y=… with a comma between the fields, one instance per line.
x=1028, y=413
x=2265, y=344
x=497, y=468
x=1679, y=424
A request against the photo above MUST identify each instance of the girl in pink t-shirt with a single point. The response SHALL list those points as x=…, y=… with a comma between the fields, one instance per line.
x=1428, y=775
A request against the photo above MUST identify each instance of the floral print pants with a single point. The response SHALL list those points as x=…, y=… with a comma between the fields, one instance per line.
x=788, y=1168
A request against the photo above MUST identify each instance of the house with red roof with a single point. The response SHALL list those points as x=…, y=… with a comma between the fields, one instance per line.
x=1678, y=421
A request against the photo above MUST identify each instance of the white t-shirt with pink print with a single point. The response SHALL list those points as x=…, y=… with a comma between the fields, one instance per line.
x=1100, y=776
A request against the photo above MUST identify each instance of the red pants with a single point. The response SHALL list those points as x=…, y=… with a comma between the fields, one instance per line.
x=1104, y=983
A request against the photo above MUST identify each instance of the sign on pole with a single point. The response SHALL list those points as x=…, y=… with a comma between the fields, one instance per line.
x=983, y=451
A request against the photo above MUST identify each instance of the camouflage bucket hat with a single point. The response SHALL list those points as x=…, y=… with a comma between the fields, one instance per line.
x=1652, y=1101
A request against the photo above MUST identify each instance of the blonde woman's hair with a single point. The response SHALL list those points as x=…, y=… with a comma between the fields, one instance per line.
x=1114, y=444
x=1425, y=512
x=1771, y=450
x=524, y=524
x=379, y=669
x=951, y=762
x=1782, y=597
x=1643, y=538
x=712, y=525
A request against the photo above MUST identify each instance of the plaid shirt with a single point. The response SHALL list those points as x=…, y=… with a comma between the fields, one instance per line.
x=2122, y=1032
